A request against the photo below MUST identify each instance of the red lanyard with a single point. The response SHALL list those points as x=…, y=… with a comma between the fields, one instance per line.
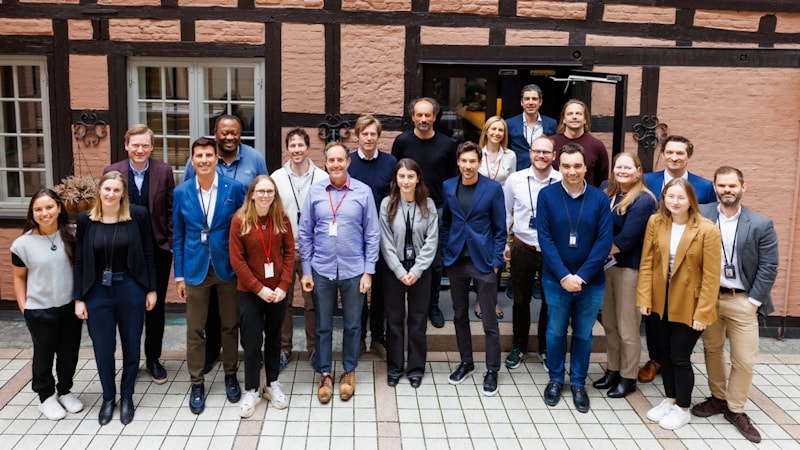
x=335, y=210
x=499, y=163
x=267, y=250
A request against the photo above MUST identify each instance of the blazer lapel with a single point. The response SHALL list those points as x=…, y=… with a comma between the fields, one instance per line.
x=222, y=195
x=742, y=231
x=480, y=188
x=663, y=244
x=688, y=235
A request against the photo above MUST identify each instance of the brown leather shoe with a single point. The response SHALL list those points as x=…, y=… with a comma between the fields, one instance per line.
x=649, y=371
x=347, y=385
x=743, y=424
x=711, y=406
x=325, y=391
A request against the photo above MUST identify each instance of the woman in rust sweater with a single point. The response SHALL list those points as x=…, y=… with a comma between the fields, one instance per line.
x=262, y=255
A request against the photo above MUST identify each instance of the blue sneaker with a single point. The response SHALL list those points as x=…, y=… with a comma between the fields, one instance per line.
x=232, y=389
x=197, y=398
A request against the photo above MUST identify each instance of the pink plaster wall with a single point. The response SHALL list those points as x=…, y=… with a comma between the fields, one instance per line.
x=303, y=68
x=88, y=81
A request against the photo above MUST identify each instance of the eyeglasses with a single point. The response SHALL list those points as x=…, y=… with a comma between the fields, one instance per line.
x=265, y=193
x=541, y=152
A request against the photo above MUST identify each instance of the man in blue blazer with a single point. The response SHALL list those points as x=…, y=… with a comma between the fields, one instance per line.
x=473, y=238
x=676, y=151
x=525, y=128
x=749, y=267
x=202, y=212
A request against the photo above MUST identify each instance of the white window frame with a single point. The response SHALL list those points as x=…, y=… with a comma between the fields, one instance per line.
x=197, y=101
x=16, y=206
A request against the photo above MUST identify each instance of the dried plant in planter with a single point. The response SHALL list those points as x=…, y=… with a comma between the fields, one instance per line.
x=77, y=192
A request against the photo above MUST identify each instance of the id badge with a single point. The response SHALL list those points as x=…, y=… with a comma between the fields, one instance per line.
x=573, y=240
x=204, y=236
x=532, y=223
x=410, y=254
x=106, y=278
x=269, y=270
x=730, y=271
x=333, y=229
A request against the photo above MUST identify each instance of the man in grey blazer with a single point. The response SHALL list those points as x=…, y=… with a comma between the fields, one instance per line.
x=749, y=266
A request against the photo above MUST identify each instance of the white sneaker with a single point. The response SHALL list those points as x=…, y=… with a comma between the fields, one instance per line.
x=52, y=409
x=676, y=418
x=71, y=403
x=660, y=411
x=275, y=395
x=249, y=402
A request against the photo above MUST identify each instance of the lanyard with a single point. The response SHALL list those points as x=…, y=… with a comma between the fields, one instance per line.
x=733, y=247
x=296, y=201
x=108, y=251
x=525, y=131
x=267, y=249
x=530, y=194
x=499, y=163
x=203, y=204
x=346, y=187
x=410, y=222
x=566, y=209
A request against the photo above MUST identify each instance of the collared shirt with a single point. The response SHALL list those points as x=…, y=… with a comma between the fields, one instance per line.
x=138, y=177
x=668, y=177
x=364, y=157
x=247, y=165
x=538, y=129
x=727, y=228
x=521, y=192
x=583, y=191
x=500, y=169
x=353, y=251
x=208, y=199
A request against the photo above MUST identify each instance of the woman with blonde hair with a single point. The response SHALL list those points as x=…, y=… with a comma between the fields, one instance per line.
x=114, y=282
x=679, y=281
x=632, y=204
x=262, y=255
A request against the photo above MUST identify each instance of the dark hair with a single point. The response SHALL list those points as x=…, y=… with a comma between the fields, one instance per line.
x=63, y=221
x=529, y=88
x=434, y=103
x=682, y=140
x=420, y=192
x=204, y=142
x=469, y=146
x=571, y=148
x=298, y=132
x=723, y=170
x=227, y=117
x=335, y=144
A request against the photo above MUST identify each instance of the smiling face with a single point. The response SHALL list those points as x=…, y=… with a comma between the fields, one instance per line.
x=204, y=160
x=677, y=201
x=676, y=158
x=111, y=192
x=496, y=132
x=542, y=154
x=337, y=162
x=45, y=213
x=729, y=189
x=531, y=101
x=228, y=135
x=298, y=150
x=263, y=196
x=573, y=168
x=368, y=139
x=625, y=172
x=407, y=181
x=468, y=163
x=139, y=147
x=574, y=117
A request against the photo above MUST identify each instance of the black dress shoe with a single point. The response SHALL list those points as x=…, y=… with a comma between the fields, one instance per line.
x=552, y=393
x=415, y=381
x=232, y=389
x=197, y=398
x=106, y=411
x=437, y=318
x=126, y=410
x=580, y=398
x=623, y=388
x=392, y=380
x=157, y=371
x=610, y=379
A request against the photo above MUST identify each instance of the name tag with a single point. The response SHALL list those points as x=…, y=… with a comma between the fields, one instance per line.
x=269, y=270
x=333, y=229
x=573, y=240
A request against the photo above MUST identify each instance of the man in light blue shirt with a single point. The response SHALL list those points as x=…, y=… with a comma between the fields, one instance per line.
x=236, y=160
x=339, y=239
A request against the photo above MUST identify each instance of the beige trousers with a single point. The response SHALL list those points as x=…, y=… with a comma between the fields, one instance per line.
x=621, y=319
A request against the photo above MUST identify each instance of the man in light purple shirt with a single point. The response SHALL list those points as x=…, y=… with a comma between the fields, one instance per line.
x=339, y=239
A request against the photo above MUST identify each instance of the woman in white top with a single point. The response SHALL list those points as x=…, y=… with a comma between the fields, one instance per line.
x=42, y=262
x=497, y=164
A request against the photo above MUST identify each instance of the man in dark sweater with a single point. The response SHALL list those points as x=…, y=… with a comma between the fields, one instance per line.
x=574, y=127
x=575, y=234
x=373, y=168
x=436, y=154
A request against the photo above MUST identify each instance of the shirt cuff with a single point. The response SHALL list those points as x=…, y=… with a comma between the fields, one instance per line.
x=754, y=301
x=177, y=279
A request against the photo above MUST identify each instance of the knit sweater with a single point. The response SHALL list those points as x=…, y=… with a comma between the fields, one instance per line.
x=375, y=173
x=248, y=257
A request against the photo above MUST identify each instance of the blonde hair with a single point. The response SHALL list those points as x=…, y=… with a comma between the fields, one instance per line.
x=96, y=213
x=249, y=215
x=485, y=131
x=638, y=187
x=694, y=206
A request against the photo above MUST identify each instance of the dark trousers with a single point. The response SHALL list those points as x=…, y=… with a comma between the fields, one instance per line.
x=437, y=268
x=154, y=319
x=677, y=340
x=260, y=324
x=374, y=310
x=122, y=306
x=654, y=344
x=56, y=332
x=525, y=263
x=461, y=273
x=417, y=297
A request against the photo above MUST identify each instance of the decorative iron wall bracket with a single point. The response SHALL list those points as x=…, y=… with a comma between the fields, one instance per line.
x=649, y=132
x=335, y=128
x=90, y=129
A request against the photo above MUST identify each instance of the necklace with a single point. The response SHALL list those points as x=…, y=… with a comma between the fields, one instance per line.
x=263, y=225
x=53, y=245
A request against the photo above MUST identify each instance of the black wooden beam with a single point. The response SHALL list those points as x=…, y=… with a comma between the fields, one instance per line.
x=118, y=105
x=333, y=68
x=272, y=100
x=648, y=105
x=60, y=114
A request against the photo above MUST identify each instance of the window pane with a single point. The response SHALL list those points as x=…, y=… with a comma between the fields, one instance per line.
x=463, y=103
x=33, y=182
x=212, y=113
x=247, y=114
x=150, y=82
x=29, y=82
x=178, y=152
x=12, y=185
x=33, y=152
x=10, y=150
x=7, y=81
x=9, y=118
x=30, y=117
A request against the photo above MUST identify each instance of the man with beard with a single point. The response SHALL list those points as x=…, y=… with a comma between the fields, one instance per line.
x=574, y=127
x=525, y=128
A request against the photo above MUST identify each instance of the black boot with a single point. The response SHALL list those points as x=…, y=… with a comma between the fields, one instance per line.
x=611, y=378
x=623, y=388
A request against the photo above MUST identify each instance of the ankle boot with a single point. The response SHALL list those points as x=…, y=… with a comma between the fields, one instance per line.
x=610, y=379
x=623, y=388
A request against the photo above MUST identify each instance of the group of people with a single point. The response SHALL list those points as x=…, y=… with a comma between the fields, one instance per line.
x=533, y=193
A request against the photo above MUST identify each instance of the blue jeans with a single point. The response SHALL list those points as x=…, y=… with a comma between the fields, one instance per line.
x=324, y=296
x=581, y=310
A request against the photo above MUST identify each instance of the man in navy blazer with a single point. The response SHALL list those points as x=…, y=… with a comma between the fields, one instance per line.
x=204, y=206
x=749, y=267
x=525, y=128
x=676, y=151
x=150, y=184
x=473, y=238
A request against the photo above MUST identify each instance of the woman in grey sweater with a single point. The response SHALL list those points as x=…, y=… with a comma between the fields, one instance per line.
x=409, y=238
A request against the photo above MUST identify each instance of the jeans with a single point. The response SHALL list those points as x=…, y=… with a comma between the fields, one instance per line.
x=578, y=309
x=373, y=316
x=324, y=296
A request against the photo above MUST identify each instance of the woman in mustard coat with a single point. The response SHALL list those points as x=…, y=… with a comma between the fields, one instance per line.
x=679, y=281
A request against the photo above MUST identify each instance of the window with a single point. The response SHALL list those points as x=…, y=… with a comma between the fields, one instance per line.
x=181, y=99
x=25, y=163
